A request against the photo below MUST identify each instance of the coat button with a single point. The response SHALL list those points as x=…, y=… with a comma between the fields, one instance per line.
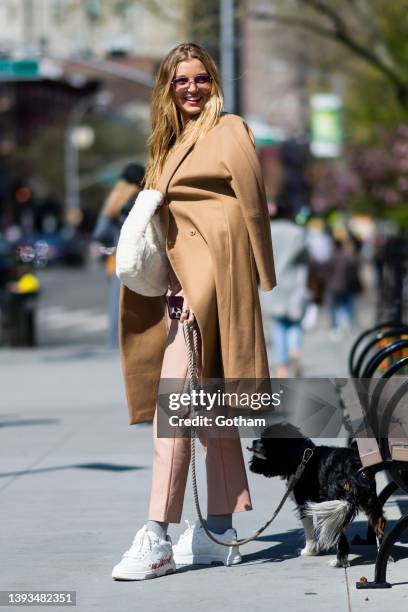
x=193, y=232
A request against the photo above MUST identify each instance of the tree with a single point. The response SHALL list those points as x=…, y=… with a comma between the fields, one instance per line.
x=374, y=31
x=382, y=170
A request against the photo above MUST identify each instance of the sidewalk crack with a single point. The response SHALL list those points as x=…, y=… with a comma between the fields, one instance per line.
x=347, y=590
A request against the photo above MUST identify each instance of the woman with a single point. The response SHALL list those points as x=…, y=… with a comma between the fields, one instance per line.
x=287, y=305
x=107, y=231
x=214, y=216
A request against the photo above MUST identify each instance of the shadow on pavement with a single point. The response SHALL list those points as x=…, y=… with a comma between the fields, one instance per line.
x=288, y=545
x=109, y=467
x=28, y=422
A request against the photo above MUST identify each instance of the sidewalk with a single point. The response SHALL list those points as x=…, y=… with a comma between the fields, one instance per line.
x=75, y=480
x=74, y=487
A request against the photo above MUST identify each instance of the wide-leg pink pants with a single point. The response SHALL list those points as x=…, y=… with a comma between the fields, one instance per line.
x=227, y=483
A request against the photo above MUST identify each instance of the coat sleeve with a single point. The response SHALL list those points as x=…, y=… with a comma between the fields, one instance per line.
x=245, y=175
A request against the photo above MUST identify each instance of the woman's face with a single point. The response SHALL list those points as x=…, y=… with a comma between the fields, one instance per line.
x=191, y=96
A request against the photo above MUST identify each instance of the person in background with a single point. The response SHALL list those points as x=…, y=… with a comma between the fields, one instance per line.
x=320, y=249
x=107, y=232
x=288, y=301
x=343, y=285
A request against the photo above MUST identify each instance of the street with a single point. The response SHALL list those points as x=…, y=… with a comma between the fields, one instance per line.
x=73, y=306
x=75, y=479
x=73, y=311
x=245, y=144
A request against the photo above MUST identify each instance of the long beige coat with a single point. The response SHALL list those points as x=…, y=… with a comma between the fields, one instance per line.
x=218, y=233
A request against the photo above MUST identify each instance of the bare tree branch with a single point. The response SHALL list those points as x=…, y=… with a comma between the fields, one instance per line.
x=367, y=20
x=293, y=21
x=339, y=32
x=343, y=36
x=323, y=9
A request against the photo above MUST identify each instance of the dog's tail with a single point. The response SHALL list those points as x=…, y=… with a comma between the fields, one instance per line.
x=330, y=517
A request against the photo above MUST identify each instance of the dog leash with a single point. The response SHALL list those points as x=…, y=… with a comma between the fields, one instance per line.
x=192, y=382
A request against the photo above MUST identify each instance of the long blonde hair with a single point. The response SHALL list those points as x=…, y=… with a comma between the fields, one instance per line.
x=167, y=125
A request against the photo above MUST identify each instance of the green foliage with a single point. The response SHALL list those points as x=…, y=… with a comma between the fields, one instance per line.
x=375, y=35
x=372, y=36
x=370, y=102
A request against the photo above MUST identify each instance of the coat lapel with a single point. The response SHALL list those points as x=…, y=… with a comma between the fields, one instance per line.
x=173, y=162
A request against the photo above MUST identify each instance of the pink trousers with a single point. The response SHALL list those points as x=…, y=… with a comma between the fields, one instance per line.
x=227, y=484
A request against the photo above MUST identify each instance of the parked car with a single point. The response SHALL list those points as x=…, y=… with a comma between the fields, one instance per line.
x=50, y=249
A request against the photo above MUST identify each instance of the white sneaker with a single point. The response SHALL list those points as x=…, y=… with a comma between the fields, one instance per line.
x=194, y=546
x=148, y=557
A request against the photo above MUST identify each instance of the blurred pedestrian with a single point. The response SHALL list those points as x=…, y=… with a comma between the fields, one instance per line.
x=320, y=249
x=107, y=232
x=213, y=214
x=343, y=286
x=288, y=302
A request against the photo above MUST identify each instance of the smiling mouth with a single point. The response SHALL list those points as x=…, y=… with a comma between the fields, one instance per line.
x=193, y=100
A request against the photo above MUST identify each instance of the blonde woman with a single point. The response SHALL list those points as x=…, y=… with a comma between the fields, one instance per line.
x=215, y=219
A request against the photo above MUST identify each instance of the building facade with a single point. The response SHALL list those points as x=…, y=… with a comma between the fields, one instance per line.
x=98, y=27
x=275, y=69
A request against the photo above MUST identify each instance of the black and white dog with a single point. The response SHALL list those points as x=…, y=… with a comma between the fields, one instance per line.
x=329, y=491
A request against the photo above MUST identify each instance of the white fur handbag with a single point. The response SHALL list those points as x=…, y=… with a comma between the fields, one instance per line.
x=141, y=260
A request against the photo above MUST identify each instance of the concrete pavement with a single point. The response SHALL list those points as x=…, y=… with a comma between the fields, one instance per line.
x=74, y=488
x=74, y=485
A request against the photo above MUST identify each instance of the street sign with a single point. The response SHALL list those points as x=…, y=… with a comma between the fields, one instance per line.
x=19, y=69
x=326, y=125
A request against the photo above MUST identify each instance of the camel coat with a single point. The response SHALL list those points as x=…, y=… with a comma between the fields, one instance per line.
x=218, y=235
